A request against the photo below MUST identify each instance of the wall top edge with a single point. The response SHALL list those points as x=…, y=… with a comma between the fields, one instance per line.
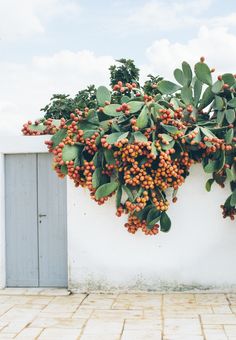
x=23, y=144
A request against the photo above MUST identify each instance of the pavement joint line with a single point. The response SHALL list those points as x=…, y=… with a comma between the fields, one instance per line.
x=201, y=325
x=162, y=317
x=80, y=303
x=122, y=330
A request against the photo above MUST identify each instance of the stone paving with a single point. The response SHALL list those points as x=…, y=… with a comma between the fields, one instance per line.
x=53, y=314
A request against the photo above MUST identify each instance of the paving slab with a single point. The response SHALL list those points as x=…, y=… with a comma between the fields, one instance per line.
x=57, y=314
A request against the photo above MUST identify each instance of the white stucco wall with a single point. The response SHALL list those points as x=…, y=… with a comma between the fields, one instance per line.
x=198, y=252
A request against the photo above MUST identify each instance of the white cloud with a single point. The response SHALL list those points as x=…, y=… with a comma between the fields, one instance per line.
x=168, y=15
x=216, y=44
x=224, y=21
x=25, y=88
x=27, y=17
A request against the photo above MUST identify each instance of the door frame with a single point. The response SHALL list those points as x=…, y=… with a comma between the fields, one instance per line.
x=16, y=145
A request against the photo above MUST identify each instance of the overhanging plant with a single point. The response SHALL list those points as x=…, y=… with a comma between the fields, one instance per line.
x=136, y=142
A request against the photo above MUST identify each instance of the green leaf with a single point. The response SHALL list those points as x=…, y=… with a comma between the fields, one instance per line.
x=103, y=95
x=211, y=166
x=85, y=125
x=229, y=174
x=124, y=135
x=220, y=117
x=175, y=103
x=179, y=76
x=69, y=152
x=138, y=193
x=135, y=106
x=128, y=193
x=165, y=137
x=167, y=87
x=207, y=98
x=217, y=86
x=142, y=120
x=92, y=117
x=98, y=158
x=88, y=133
x=228, y=78
x=118, y=196
x=105, y=190
x=154, y=149
x=186, y=95
x=229, y=136
x=64, y=169
x=56, y=122
x=207, y=132
x=233, y=199
x=219, y=178
x=203, y=73
x=124, y=99
x=78, y=161
x=139, y=137
x=143, y=213
x=105, y=124
x=115, y=126
x=58, y=137
x=153, y=216
x=187, y=72
x=109, y=156
x=113, y=137
x=230, y=116
x=198, y=136
x=221, y=161
x=218, y=103
x=227, y=202
x=165, y=222
x=232, y=102
x=215, y=165
x=96, y=178
x=170, y=128
x=99, y=137
x=168, y=146
x=197, y=91
x=209, y=184
x=110, y=110
x=40, y=127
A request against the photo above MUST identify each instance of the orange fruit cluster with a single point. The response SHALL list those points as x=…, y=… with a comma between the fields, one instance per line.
x=134, y=224
x=47, y=127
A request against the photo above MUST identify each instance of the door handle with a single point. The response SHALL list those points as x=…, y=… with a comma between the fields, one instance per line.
x=42, y=215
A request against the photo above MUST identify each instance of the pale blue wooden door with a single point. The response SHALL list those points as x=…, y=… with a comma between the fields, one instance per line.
x=52, y=230
x=36, y=242
x=21, y=220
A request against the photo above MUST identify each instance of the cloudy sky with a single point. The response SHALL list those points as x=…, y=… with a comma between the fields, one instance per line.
x=60, y=46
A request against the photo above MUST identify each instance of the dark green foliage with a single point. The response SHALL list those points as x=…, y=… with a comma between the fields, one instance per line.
x=61, y=105
x=150, y=85
x=126, y=72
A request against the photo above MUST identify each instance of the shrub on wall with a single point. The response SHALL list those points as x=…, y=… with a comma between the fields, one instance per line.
x=138, y=143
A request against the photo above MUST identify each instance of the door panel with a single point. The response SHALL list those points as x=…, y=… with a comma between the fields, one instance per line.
x=21, y=220
x=36, y=232
x=52, y=225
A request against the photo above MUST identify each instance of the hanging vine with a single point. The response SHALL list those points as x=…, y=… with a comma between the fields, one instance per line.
x=136, y=142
